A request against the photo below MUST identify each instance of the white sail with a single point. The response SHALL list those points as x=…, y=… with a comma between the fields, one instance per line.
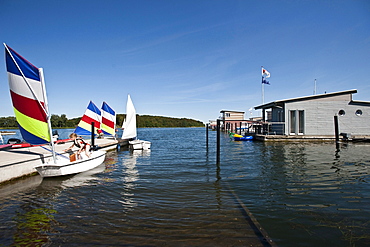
x=129, y=124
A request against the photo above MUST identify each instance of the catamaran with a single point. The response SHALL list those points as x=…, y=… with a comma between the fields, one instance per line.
x=28, y=93
x=129, y=128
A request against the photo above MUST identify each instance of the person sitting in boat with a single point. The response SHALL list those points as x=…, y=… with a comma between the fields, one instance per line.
x=79, y=143
x=100, y=133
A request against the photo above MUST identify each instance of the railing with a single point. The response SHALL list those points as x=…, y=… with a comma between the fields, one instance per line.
x=271, y=128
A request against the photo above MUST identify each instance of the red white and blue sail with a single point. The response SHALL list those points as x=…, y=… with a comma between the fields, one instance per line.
x=92, y=115
x=108, y=121
x=28, y=97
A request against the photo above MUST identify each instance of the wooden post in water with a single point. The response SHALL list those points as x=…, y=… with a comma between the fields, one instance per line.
x=336, y=128
x=207, y=126
x=92, y=135
x=218, y=142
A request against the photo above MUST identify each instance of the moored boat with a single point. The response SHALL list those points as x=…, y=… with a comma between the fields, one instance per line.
x=237, y=137
x=65, y=167
x=28, y=93
x=129, y=128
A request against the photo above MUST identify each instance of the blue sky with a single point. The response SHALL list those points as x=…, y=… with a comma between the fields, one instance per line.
x=187, y=58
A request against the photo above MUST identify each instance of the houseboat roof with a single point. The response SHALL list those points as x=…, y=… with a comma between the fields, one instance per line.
x=231, y=111
x=279, y=102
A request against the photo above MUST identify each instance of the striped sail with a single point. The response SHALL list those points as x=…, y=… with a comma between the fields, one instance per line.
x=26, y=90
x=92, y=115
x=108, y=121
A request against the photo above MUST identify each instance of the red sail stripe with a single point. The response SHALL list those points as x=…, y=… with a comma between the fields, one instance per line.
x=108, y=123
x=89, y=120
x=28, y=107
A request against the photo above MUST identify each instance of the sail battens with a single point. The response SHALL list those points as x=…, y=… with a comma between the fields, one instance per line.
x=108, y=119
x=28, y=107
x=27, y=97
x=92, y=114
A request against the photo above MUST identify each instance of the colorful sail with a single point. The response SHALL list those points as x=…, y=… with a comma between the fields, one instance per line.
x=92, y=115
x=108, y=121
x=27, y=93
x=129, y=125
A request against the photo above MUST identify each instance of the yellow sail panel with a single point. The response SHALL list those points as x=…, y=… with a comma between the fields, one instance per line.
x=34, y=127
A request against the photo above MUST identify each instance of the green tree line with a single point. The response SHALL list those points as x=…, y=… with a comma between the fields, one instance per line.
x=144, y=121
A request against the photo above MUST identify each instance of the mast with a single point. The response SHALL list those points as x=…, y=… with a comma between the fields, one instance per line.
x=47, y=113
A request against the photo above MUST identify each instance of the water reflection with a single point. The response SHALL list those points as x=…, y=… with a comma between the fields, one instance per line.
x=130, y=174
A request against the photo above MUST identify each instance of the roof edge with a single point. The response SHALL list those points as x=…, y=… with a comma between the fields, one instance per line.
x=273, y=103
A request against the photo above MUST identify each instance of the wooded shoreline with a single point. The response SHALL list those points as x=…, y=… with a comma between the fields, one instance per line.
x=143, y=121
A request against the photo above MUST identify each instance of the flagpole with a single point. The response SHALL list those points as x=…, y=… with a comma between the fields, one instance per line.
x=263, y=92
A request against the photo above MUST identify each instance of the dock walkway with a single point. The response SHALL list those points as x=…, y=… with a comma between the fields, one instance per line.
x=15, y=163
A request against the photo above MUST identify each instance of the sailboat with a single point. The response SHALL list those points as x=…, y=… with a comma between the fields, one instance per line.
x=129, y=128
x=28, y=93
x=92, y=116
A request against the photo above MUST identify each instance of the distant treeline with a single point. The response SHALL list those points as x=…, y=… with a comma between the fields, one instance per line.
x=144, y=121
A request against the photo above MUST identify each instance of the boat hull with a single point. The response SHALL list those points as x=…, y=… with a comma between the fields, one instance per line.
x=65, y=167
x=139, y=145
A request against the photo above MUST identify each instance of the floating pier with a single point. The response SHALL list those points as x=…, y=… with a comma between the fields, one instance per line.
x=20, y=162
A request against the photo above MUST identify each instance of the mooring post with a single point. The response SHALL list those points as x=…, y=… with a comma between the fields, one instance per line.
x=218, y=142
x=92, y=135
x=336, y=128
x=207, y=126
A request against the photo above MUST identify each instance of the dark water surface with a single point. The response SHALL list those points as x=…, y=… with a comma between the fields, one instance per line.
x=303, y=194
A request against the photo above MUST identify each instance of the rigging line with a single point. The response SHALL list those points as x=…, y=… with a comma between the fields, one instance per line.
x=55, y=152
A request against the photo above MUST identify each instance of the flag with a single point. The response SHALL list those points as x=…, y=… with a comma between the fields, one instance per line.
x=265, y=73
x=265, y=82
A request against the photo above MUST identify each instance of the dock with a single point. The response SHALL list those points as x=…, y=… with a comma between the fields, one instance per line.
x=308, y=138
x=20, y=162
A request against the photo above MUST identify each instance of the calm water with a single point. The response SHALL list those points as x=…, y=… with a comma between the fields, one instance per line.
x=303, y=194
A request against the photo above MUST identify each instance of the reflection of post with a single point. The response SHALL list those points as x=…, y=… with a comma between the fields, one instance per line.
x=218, y=142
x=336, y=128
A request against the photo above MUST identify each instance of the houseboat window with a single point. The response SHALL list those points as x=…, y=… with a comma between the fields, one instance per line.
x=342, y=113
x=358, y=112
x=301, y=122
x=293, y=122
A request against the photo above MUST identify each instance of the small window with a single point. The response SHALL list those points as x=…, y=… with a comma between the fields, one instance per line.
x=342, y=113
x=358, y=112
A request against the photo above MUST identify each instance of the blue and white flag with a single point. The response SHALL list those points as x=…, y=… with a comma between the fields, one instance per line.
x=264, y=81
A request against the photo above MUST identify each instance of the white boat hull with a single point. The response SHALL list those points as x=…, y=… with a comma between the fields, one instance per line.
x=65, y=167
x=139, y=145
